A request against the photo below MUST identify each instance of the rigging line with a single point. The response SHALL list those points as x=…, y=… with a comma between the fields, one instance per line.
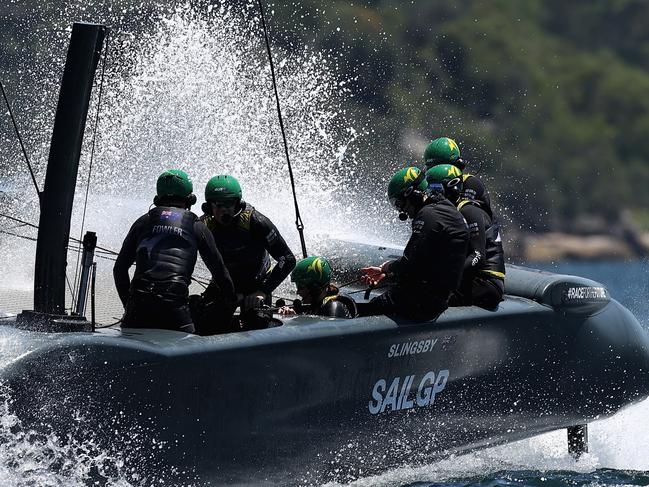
x=349, y=283
x=74, y=249
x=19, y=236
x=70, y=289
x=298, y=219
x=20, y=139
x=20, y=225
x=199, y=282
x=92, y=157
x=104, y=325
x=18, y=220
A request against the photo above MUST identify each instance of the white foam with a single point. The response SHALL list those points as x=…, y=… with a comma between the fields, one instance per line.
x=619, y=442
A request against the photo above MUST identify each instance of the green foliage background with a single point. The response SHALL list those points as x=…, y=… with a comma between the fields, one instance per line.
x=549, y=100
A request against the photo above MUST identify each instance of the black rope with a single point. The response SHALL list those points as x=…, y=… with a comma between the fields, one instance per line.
x=71, y=291
x=20, y=140
x=298, y=219
x=20, y=225
x=18, y=220
x=92, y=158
x=74, y=249
x=17, y=235
x=349, y=283
x=201, y=283
x=100, y=326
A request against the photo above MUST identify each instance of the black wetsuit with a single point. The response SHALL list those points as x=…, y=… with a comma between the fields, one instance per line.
x=164, y=244
x=431, y=265
x=474, y=189
x=484, y=268
x=245, y=245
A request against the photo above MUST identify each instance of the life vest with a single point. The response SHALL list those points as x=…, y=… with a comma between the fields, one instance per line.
x=243, y=250
x=494, y=264
x=167, y=250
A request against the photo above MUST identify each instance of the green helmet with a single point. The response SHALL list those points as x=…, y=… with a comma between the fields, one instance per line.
x=312, y=272
x=447, y=178
x=174, y=183
x=441, y=151
x=222, y=188
x=404, y=182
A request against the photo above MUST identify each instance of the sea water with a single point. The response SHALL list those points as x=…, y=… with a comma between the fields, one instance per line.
x=190, y=88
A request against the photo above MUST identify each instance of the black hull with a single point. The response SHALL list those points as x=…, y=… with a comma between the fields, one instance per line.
x=305, y=401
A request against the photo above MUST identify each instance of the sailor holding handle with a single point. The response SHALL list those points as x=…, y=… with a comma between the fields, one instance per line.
x=247, y=240
x=431, y=265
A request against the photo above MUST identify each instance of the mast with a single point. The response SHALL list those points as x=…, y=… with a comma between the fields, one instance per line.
x=60, y=181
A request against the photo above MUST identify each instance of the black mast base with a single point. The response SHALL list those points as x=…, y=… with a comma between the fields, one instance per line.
x=578, y=440
x=50, y=323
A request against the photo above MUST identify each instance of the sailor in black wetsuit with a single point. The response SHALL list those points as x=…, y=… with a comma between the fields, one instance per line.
x=484, y=268
x=431, y=265
x=312, y=277
x=446, y=151
x=164, y=244
x=246, y=240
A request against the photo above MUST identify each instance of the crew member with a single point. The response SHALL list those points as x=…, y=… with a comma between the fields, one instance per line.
x=431, y=265
x=446, y=151
x=246, y=240
x=163, y=244
x=484, y=267
x=312, y=277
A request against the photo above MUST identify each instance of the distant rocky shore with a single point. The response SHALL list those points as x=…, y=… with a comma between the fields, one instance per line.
x=589, y=237
x=555, y=246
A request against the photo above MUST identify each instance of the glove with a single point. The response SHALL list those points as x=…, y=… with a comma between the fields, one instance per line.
x=254, y=300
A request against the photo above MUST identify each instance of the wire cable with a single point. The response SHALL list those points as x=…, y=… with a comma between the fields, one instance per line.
x=18, y=220
x=20, y=140
x=298, y=219
x=92, y=158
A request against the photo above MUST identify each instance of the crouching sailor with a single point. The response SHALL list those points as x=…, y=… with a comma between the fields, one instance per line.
x=312, y=277
x=163, y=244
x=431, y=265
x=484, y=267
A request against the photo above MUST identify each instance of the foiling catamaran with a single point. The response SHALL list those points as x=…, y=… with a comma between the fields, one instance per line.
x=316, y=398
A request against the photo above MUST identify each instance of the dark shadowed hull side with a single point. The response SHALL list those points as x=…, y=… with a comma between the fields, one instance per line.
x=319, y=399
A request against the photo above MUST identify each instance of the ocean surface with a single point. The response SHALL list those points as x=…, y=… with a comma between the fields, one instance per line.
x=619, y=446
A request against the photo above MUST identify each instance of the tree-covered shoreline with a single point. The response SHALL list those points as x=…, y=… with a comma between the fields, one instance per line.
x=549, y=102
